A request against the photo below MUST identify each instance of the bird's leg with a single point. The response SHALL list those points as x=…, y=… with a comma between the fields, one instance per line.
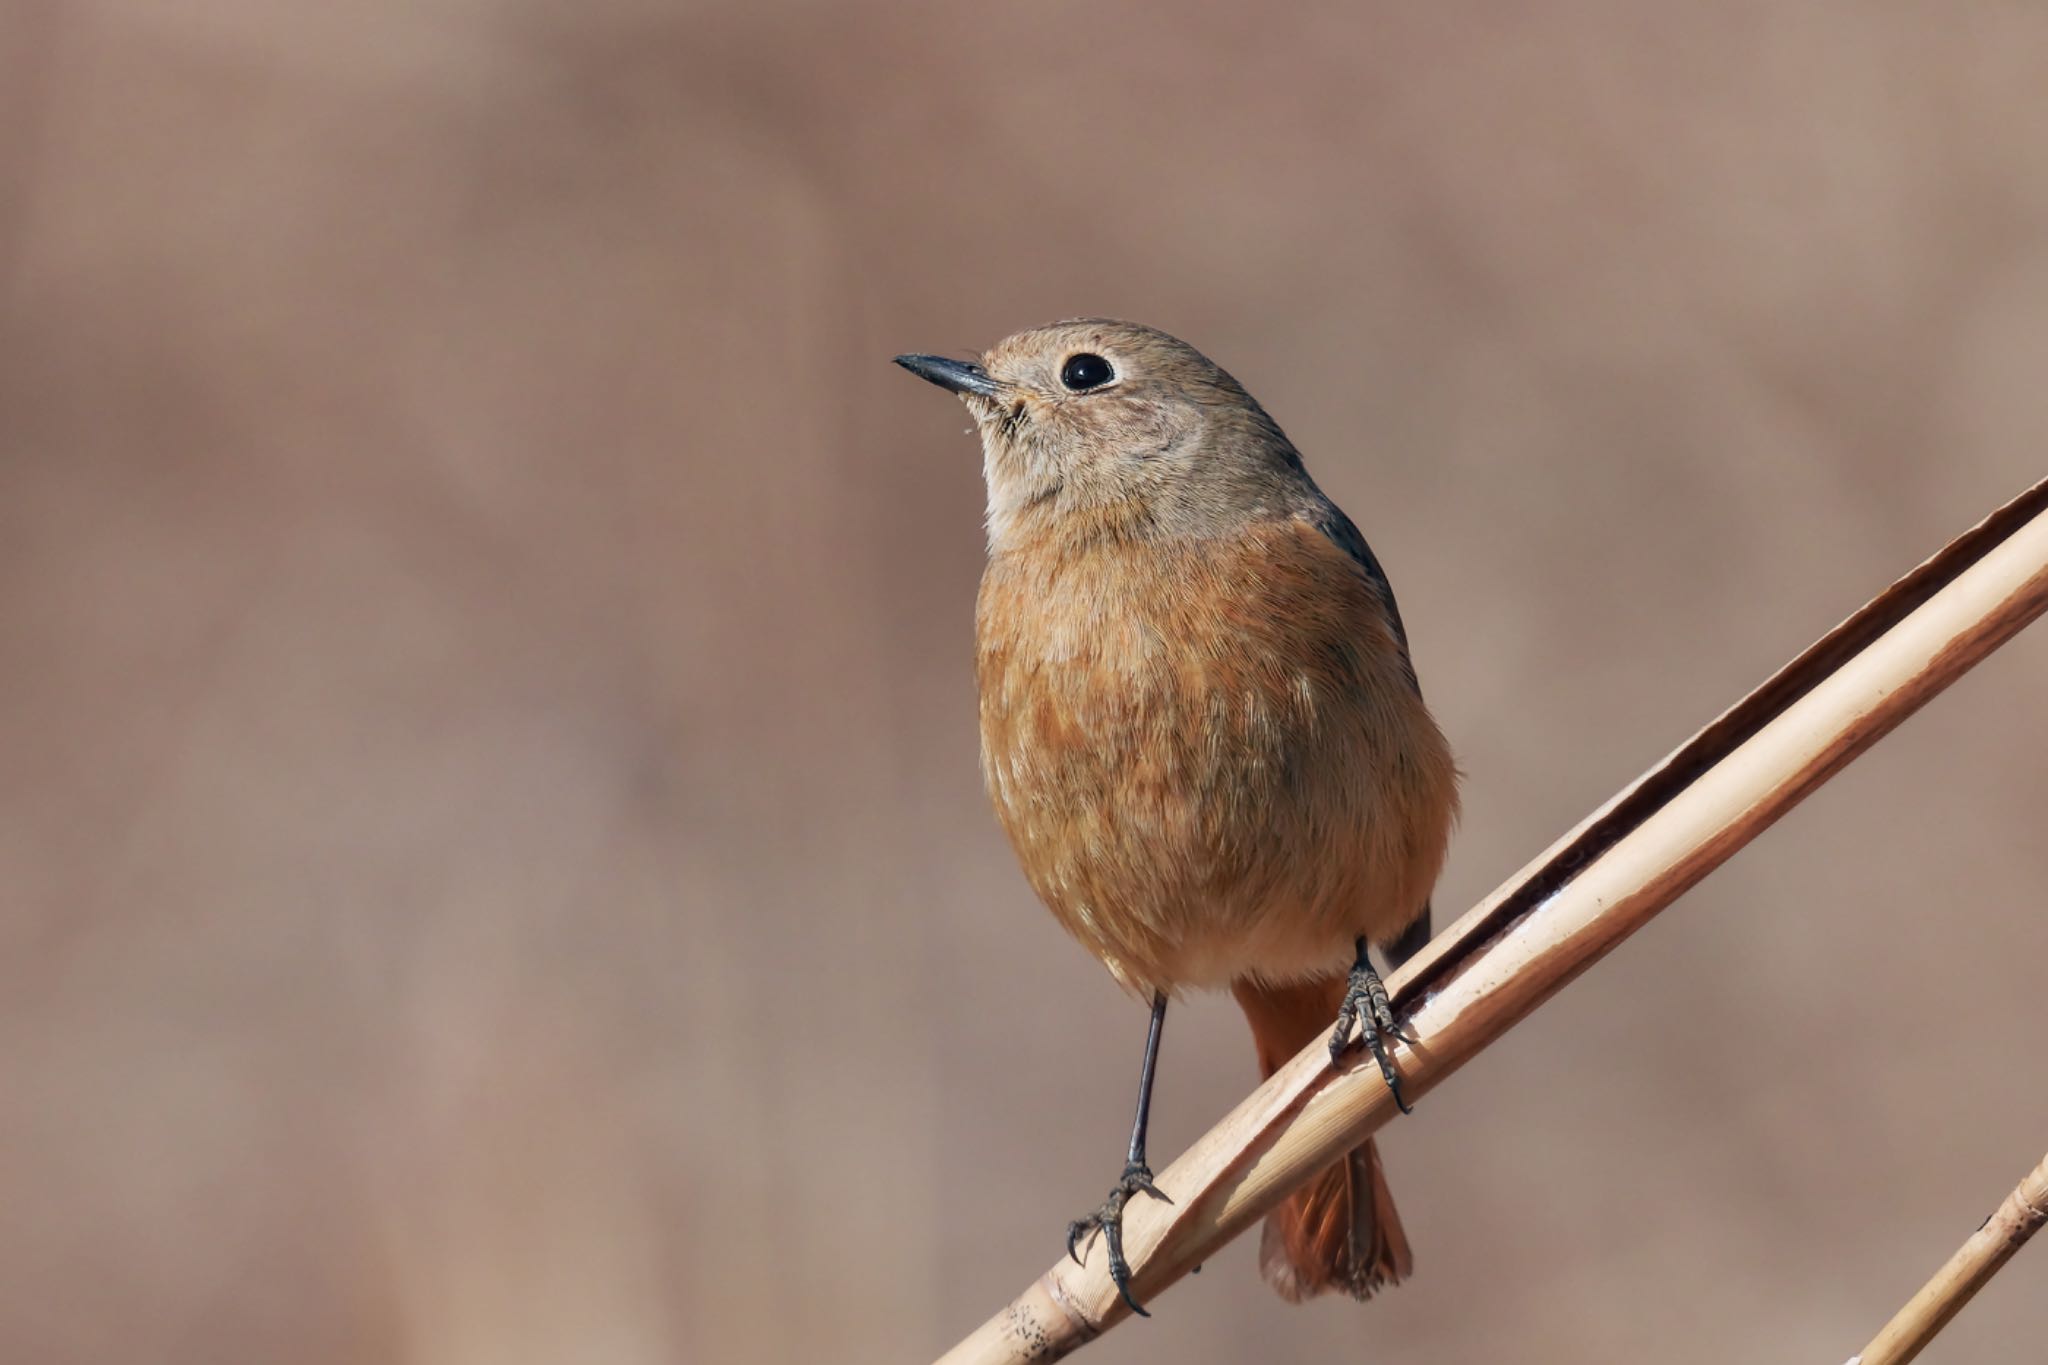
x=1366, y=1004
x=1136, y=1179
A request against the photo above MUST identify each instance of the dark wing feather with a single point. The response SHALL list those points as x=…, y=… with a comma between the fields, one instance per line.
x=1332, y=522
x=1346, y=536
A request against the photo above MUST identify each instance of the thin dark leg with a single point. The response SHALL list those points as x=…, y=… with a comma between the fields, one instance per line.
x=1136, y=1156
x=1366, y=1005
x=1137, y=1176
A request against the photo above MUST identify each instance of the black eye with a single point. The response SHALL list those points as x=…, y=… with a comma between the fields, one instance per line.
x=1085, y=371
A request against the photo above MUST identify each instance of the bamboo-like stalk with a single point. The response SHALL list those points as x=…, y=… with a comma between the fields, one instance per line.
x=1969, y=1270
x=1562, y=913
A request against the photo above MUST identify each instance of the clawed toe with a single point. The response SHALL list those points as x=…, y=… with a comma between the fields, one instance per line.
x=1340, y=1036
x=1366, y=1004
x=1109, y=1221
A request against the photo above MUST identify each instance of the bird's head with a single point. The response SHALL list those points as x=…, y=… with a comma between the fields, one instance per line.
x=1097, y=426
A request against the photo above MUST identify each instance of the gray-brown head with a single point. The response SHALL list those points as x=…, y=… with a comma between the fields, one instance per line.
x=1098, y=425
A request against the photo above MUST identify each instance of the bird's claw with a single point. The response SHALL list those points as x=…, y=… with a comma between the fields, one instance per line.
x=1366, y=1003
x=1109, y=1221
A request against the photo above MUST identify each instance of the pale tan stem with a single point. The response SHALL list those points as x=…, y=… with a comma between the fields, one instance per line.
x=1561, y=914
x=1969, y=1270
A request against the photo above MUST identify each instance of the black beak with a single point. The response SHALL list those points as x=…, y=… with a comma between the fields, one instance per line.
x=960, y=376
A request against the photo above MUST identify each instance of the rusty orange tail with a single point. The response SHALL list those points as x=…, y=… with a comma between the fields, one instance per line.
x=1340, y=1230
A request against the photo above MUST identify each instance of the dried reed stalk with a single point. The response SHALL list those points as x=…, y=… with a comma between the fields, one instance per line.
x=1973, y=1265
x=1562, y=913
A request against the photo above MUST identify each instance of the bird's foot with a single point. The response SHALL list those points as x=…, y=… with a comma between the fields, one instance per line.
x=1109, y=1221
x=1366, y=1004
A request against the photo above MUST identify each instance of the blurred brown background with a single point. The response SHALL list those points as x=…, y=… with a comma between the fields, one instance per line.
x=493, y=862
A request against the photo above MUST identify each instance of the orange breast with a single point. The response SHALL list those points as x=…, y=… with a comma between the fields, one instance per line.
x=1207, y=754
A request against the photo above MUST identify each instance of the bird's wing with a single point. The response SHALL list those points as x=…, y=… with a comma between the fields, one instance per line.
x=1345, y=535
x=1331, y=521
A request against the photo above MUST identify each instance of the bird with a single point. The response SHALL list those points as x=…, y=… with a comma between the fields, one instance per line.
x=1202, y=732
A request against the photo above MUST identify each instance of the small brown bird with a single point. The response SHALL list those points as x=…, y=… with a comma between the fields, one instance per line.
x=1201, y=729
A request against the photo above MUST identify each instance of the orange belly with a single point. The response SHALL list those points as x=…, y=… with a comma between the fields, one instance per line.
x=1209, y=756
